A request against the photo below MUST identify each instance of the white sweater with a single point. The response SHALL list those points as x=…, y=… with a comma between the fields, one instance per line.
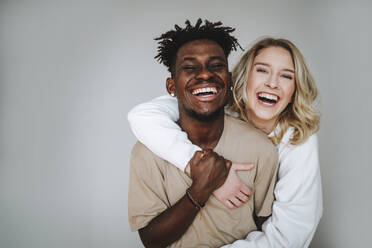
x=297, y=208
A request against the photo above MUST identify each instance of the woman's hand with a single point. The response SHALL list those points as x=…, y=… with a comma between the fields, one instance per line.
x=233, y=193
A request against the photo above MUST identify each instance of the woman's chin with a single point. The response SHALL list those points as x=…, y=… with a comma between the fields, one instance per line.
x=265, y=117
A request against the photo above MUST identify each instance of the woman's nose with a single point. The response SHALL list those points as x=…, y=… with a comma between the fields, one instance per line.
x=272, y=82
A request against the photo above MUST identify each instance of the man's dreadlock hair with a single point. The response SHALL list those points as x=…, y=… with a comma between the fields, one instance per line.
x=171, y=41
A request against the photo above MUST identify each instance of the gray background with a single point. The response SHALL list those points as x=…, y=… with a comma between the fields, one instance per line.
x=70, y=72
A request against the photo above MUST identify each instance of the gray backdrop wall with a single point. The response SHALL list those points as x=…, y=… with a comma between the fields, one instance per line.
x=70, y=71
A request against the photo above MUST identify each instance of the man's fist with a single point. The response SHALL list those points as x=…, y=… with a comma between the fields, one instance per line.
x=208, y=172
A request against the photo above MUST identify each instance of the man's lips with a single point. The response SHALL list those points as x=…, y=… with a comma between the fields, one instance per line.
x=205, y=90
x=205, y=93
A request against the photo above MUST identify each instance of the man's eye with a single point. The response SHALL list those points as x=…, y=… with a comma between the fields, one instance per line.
x=189, y=68
x=217, y=66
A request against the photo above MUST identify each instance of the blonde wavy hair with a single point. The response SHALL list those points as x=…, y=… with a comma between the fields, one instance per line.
x=301, y=113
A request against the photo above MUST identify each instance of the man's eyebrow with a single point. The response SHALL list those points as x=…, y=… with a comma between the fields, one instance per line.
x=189, y=58
x=217, y=57
x=185, y=59
x=211, y=58
x=265, y=64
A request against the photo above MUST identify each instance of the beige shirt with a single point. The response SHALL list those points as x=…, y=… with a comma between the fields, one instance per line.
x=156, y=185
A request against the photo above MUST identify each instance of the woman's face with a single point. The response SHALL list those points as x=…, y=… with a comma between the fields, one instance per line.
x=270, y=86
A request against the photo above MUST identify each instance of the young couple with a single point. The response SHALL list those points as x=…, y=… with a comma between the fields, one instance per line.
x=273, y=90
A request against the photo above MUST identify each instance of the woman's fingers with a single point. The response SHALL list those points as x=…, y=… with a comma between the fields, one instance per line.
x=242, y=197
x=242, y=166
x=229, y=204
x=234, y=193
x=237, y=203
x=245, y=190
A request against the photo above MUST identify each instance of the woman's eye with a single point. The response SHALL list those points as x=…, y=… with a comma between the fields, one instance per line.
x=287, y=76
x=261, y=70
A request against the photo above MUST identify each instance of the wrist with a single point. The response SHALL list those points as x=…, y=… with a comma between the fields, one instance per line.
x=194, y=202
x=198, y=194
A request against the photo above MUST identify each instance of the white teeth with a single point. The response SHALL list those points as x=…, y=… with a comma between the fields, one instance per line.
x=212, y=90
x=268, y=96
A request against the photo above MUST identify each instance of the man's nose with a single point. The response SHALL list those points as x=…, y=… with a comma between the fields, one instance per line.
x=204, y=73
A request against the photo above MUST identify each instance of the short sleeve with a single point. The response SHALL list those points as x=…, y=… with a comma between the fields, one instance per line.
x=265, y=182
x=146, y=181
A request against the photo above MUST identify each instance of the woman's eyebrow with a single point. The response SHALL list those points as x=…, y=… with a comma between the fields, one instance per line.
x=265, y=64
x=260, y=63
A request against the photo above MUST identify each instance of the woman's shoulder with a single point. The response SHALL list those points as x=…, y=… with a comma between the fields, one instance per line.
x=295, y=152
x=286, y=140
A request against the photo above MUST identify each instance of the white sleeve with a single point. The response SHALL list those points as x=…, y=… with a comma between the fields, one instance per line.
x=154, y=124
x=298, y=206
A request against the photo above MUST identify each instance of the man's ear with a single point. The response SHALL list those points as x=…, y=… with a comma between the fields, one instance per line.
x=230, y=90
x=230, y=80
x=171, y=87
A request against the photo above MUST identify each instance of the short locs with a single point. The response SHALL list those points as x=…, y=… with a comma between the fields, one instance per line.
x=171, y=41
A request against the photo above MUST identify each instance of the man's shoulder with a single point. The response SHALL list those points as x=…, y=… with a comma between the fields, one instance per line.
x=245, y=132
x=244, y=128
x=143, y=159
x=140, y=150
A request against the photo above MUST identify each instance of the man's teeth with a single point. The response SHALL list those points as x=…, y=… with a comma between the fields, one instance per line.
x=268, y=96
x=211, y=90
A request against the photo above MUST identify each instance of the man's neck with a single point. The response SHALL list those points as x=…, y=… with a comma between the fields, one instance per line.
x=204, y=134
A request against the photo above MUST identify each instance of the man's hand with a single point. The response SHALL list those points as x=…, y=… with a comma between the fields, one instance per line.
x=233, y=193
x=208, y=172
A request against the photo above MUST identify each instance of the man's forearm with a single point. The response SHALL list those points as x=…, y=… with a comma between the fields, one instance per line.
x=170, y=225
x=208, y=172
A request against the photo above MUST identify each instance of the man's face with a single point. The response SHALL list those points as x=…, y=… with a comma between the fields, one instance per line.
x=201, y=79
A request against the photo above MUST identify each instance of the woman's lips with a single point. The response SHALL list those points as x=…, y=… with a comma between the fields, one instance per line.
x=267, y=99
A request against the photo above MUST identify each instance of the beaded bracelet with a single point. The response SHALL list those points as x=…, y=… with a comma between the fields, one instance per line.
x=196, y=204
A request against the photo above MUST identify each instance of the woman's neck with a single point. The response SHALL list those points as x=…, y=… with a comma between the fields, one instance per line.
x=266, y=126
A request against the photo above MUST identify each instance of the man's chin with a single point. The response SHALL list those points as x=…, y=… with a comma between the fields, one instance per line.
x=205, y=116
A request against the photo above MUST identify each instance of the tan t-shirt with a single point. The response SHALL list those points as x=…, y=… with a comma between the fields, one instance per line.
x=156, y=185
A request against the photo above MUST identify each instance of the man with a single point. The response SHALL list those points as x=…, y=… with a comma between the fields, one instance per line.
x=168, y=207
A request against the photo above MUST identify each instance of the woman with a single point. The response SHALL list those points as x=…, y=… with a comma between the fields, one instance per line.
x=272, y=89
